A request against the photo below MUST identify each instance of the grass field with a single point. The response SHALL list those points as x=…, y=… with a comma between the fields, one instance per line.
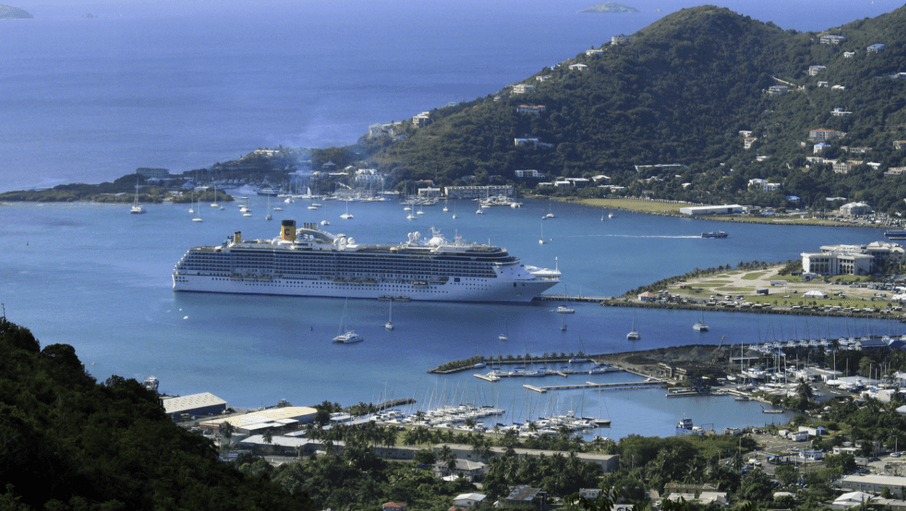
x=634, y=205
x=665, y=208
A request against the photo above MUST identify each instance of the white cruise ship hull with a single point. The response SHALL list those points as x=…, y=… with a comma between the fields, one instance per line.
x=467, y=290
x=311, y=262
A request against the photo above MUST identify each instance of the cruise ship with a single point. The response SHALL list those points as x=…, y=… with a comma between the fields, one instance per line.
x=311, y=262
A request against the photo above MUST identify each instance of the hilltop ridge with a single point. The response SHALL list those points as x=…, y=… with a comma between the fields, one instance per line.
x=8, y=12
x=683, y=90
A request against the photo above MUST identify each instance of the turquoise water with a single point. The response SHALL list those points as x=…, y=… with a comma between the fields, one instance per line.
x=98, y=278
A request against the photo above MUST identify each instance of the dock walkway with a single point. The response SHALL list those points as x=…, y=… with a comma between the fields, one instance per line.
x=600, y=386
x=570, y=298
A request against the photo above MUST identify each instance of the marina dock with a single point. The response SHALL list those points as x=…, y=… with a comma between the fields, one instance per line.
x=600, y=386
x=571, y=298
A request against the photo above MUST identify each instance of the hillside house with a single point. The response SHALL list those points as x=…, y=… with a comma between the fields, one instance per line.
x=422, y=119
x=368, y=176
x=839, y=112
x=526, y=496
x=578, y=67
x=745, y=133
x=620, y=39
x=843, y=167
x=823, y=135
x=521, y=88
x=814, y=70
x=823, y=84
x=601, y=179
x=849, y=54
x=838, y=87
x=468, y=499
x=530, y=109
x=831, y=39
x=593, y=52
x=748, y=141
x=820, y=146
x=875, y=48
x=895, y=171
x=778, y=90
x=542, y=78
x=899, y=144
x=534, y=174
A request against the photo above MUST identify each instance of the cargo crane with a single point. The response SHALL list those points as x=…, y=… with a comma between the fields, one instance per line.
x=717, y=351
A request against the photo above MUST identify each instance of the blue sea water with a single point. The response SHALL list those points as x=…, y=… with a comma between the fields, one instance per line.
x=98, y=278
x=182, y=85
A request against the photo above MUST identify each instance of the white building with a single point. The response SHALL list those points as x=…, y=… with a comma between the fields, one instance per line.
x=851, y=259
x=855, y=209
x=873, y=483
x=726, y=209
x=831, y=39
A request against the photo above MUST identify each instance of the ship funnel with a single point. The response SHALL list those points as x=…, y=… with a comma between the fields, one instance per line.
x=237, y=237
x=288, y=230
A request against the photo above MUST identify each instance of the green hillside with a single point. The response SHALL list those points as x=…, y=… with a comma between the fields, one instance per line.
x=71, y=443
x=680, y=92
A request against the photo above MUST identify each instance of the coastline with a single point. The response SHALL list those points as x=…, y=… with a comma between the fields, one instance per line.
x=624, y=204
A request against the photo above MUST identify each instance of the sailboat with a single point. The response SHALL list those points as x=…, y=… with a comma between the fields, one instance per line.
x=541, y=241
x=454, y=211
x=268, y=216
x=505, y=336
x=700, y=326
x=214, y=204
x=137, y=208
x=192, y=207
x=346, y=336
x=445, y=206
x=346, y=215
x=389, y=324
x=325, y=222
x=198, y=216
x=633, y=335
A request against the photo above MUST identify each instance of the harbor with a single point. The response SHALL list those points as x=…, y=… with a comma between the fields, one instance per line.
x=252, y=350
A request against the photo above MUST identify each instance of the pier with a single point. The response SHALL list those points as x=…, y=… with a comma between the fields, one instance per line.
x=600, y=386
x=571, y=298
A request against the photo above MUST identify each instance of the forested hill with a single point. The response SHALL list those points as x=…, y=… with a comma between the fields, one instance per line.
x=680, y=91
x=67, y=442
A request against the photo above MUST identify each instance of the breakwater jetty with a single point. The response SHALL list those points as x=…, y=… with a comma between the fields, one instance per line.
x=599, y=386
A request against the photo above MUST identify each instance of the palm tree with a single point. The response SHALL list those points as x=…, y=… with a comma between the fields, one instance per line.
x=446, y=455
x=268, y=437
x=226, y=431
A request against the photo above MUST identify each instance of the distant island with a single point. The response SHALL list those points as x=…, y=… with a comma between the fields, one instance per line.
x=14, y=13
x=610, y=7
